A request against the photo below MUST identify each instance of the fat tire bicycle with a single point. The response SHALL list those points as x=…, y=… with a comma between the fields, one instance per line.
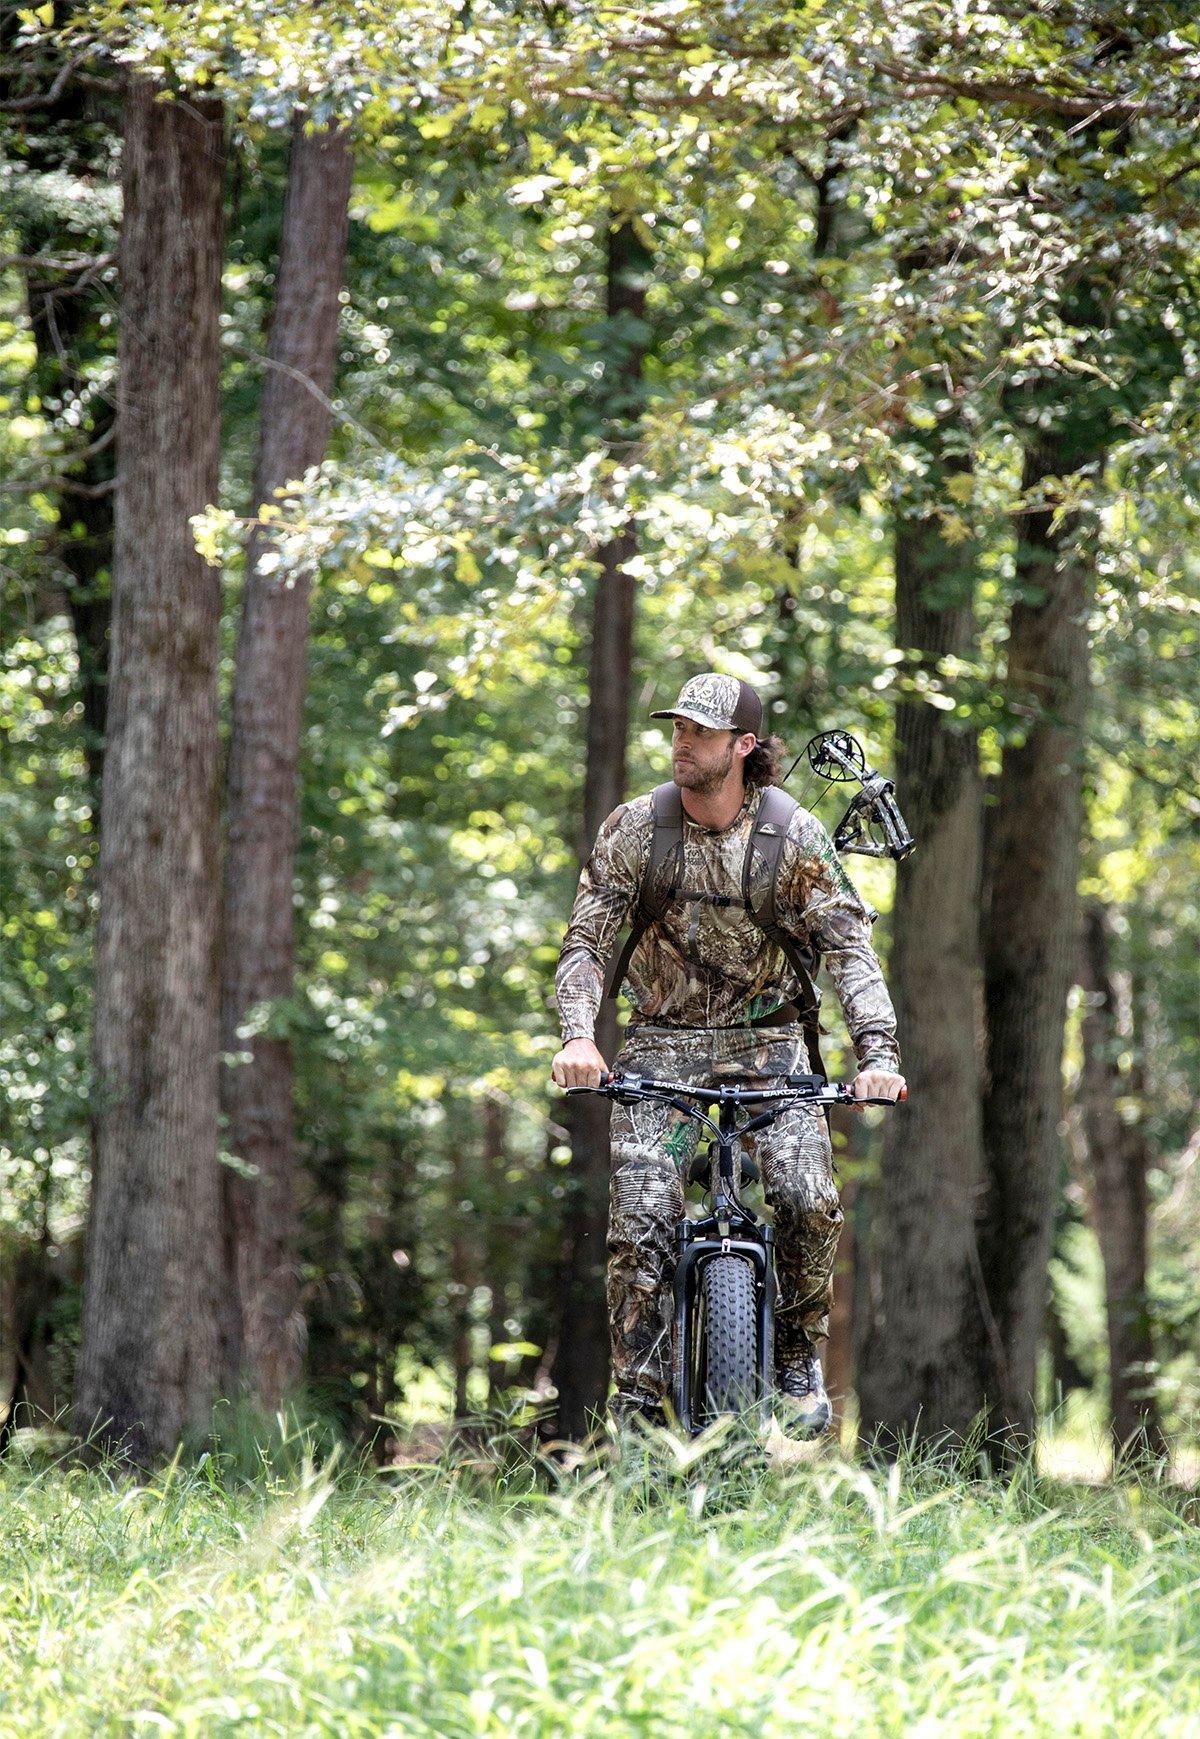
x=723, y=1336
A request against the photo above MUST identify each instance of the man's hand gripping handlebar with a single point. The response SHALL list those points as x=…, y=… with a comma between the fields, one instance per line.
x=578, y=1064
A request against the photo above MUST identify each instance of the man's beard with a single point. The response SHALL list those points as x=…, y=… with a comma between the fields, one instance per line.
x=706, y=779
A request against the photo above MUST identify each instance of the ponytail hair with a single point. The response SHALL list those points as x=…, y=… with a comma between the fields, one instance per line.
x=762, y=764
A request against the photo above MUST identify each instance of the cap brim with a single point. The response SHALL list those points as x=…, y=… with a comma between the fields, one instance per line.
x=682, y=712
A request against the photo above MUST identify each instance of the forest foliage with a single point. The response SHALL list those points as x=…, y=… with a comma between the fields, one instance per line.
x=882, y=243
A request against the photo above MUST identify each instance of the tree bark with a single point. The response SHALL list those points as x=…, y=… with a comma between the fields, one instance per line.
x=387, y=1282
x=1117, y=1164
x=464, y=1268
x=1029, y=947
x=581, y=1365
x=83, y=541
x=332, y=1289
x=499, y=1245
x=150, y=1356
x=919, y=1375
x=65, y=310
x=266, y=1328
x=848, y=1132
x=1065, y=1372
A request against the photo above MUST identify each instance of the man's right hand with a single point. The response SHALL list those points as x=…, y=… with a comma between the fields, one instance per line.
x=578, y=1064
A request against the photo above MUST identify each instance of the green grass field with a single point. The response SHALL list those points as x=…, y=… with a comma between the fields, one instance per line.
x=656, y=1599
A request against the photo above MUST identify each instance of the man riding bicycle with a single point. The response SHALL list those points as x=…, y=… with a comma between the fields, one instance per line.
x=731, y=911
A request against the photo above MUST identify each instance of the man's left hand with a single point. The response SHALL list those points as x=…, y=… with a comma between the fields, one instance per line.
x=878, y=1084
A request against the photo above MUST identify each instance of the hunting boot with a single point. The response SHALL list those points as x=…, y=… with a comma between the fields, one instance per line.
x=801, y=1404
x=628, y=1409
x=636, y=1420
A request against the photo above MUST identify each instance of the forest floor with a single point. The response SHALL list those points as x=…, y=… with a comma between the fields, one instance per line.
x=677, y=1593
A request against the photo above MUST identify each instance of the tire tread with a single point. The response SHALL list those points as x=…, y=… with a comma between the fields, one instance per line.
x=731, y=1324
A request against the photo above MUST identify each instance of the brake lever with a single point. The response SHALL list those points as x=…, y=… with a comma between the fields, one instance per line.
x=613, y=1086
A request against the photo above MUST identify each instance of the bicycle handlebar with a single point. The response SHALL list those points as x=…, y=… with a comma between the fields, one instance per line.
x=811, y=1089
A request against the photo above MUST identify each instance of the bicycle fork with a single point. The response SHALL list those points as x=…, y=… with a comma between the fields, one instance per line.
x=698, y=1242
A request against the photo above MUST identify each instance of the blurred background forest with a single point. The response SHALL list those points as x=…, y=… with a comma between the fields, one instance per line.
x=853, y=352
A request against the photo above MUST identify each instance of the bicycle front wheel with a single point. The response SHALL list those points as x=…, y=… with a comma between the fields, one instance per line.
x=729, y=1343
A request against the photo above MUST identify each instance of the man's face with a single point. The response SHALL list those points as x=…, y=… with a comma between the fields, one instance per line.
x=701, y=758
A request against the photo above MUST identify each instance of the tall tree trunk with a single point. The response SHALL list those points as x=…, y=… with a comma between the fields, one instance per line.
x=150, y=1357
x=849, y=1137
x=332, y=1290
x=498, y=1230
x=266, y=1327
x=65, y=312
x=919, y=1374
x=387, y=1280
x=464, y=1267
x=1029, y=946
x=32, y=1373
x=582, y=1362
x=83, y=541
x=1065, y=1371
x=1117, y=1163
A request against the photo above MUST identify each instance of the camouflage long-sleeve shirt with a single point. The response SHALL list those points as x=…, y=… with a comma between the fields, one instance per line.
x=711, y=966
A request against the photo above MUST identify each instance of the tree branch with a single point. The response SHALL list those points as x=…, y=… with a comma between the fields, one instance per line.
x=43, y=99
x=61, y=486
x=47, y=263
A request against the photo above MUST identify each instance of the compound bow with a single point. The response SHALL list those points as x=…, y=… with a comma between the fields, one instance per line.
x=838, y=757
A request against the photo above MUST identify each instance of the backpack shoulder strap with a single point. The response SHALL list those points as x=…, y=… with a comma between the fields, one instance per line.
x=665, y=842
x=767, y=838
x=654, y=895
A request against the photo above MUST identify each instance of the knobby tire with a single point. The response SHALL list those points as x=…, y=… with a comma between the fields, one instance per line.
x=729, y=1361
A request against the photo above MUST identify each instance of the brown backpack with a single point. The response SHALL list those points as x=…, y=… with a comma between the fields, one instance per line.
x=660, y=889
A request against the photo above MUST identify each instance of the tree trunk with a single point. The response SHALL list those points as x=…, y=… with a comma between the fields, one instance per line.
x=1065, y=1371
x=388, y=1282
x=848, y=1133
x=65, y=314
x=84, y=536
x=1029, y=949
x=540, y=1271
x=499, y=1229
x=33, y=1371
x=919, y=1374
x=581, y=1365
x=150, y=1357
x=266, y=1328
x=464, y=1268
x=332, y=1288
x=1117, y=1163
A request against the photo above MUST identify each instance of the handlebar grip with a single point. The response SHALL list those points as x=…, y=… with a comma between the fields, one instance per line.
x=608, y=1078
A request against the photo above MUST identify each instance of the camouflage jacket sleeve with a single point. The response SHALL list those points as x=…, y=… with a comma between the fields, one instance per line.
x=608, y=887
x=818, y=903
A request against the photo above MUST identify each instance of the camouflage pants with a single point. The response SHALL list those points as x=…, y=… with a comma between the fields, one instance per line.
x=652, y=1146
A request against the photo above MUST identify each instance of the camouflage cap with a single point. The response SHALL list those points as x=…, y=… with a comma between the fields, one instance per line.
x=723, y=703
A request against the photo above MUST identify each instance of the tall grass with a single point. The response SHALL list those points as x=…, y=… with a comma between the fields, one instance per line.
x=680, y=1593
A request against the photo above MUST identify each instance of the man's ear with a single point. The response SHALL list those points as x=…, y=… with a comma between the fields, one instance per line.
x=745, y=745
